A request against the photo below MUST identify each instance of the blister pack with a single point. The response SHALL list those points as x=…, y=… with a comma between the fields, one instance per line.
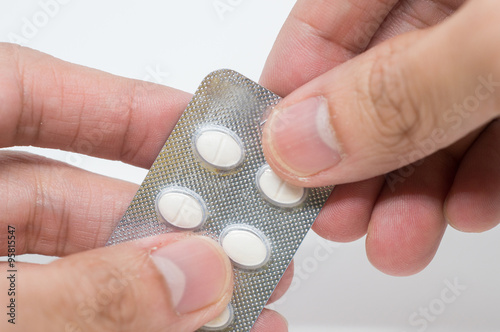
x=211, y=178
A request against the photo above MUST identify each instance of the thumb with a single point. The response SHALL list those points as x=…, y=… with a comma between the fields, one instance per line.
x=391, y=106
x=165, y=283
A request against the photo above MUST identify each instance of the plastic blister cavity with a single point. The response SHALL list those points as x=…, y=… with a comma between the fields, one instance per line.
x=220, y=322
x=218, y=148
x=211, y=178
x=181, y=208
x=277, y=191
x=247, y=248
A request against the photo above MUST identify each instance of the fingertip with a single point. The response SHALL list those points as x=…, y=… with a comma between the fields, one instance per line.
x=283, y=284
x=473, y=202
x=347, y=212
x=196, y=271
x=270, y=320
x=384, y=259
x=301, y=137
x=471, y=212
x=403, y=237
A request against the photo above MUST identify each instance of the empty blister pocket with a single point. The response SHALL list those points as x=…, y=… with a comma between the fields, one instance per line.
x=211, y=178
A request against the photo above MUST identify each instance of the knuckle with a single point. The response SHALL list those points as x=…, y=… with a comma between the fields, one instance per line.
x=390, y=105
x=121, y=309
x=129, y=111
x=110, y=299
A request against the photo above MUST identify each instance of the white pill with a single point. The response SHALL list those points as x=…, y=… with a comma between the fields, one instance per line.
x=180, y=209
x=277, y=190
x=244, y=247
x=219, y=147
x=220, y=321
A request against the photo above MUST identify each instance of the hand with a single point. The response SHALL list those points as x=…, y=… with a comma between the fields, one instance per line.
x=418, y=106
x=172, y=282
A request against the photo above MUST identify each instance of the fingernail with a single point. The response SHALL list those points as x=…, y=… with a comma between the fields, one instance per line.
x=196, y=273
x=302, y=138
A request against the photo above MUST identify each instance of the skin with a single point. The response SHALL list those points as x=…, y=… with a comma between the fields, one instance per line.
x=371, y=63
x=49, y=103
x=65, y=211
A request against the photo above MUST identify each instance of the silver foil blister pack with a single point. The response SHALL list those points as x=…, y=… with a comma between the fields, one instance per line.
x=211, y=178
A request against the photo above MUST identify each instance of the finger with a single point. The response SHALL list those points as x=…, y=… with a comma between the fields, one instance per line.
x=473, y=203
x=167, y=283
x=283, y=285
x=51, y=103
x=317, y=36
x=270, y=320
x=58, y=209
x=347, y=212
x=407, y=222
x=409, y=15
x=393, y=105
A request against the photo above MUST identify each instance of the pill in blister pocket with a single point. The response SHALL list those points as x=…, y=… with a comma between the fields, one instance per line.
x=221, y=321
x=219, y=147
x=245, y=247
x=181, y=208
x=278, y=191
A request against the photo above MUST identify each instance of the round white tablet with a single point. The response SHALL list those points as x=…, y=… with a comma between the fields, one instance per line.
x=245, y=247
x=219, y=147
x=221, y=321
x=277, y=190
x=181, y=208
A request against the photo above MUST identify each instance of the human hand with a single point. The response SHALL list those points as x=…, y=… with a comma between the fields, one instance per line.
x=172, y=282
x=429, y=93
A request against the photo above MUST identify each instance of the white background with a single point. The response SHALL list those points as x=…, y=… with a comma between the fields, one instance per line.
x=337, y=289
